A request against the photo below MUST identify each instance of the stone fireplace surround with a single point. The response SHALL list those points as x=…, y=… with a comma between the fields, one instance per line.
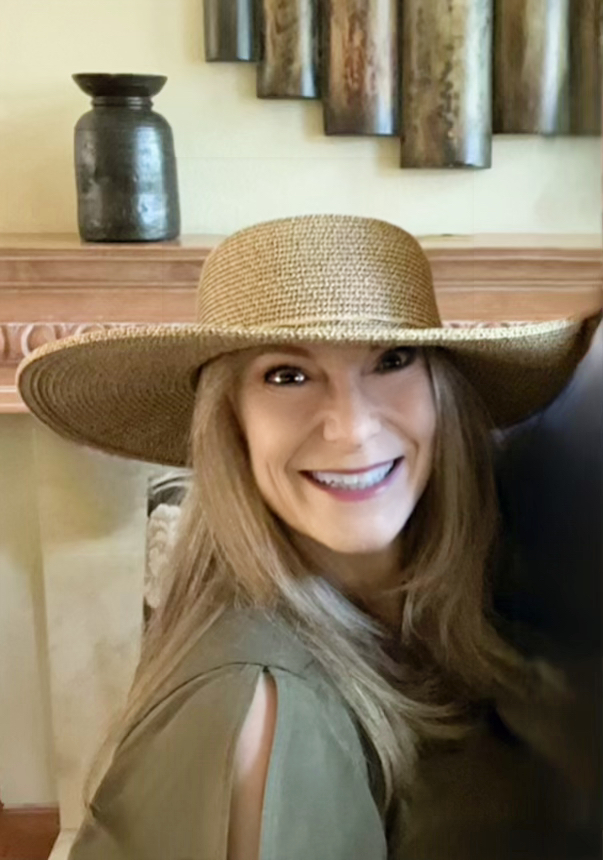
x=52, y=286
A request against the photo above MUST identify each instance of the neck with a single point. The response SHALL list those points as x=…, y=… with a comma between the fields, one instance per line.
x=363, y=577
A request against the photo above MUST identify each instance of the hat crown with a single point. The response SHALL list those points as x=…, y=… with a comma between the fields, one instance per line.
x=320, y=271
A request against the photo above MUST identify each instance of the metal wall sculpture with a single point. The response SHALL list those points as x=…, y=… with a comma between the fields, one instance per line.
x=230, y=30
x=288, y=49
x=548, y=67
x=360, y=66
x=531, y=74
x=444, y=75
x=446, y=98
x=586, y=35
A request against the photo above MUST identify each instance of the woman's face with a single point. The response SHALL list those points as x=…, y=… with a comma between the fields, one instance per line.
x=340, y=439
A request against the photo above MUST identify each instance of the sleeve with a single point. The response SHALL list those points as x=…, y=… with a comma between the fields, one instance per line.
x=166, y=795
x=318, y=803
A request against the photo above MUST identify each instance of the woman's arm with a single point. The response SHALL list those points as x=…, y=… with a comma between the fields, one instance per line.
x=252, y=759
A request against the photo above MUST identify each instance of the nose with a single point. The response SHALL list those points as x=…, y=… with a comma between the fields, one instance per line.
x=348, y=415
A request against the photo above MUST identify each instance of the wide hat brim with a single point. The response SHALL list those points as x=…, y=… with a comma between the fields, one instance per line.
x=130, y=391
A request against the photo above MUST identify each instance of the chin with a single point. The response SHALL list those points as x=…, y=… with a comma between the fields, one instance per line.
x=354, y=546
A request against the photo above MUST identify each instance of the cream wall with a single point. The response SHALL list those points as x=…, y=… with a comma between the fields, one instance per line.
x=240, y=160
x=92, y=517
x=72, y=560
x=26, y=758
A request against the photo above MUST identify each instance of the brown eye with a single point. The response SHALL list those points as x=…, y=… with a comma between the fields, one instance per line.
x=396, y=359
x=285, y=376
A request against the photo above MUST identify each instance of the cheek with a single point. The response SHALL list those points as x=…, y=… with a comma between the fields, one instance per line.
x=418, y=419
x=268, y=440
x=250, y=420
x=262, y=451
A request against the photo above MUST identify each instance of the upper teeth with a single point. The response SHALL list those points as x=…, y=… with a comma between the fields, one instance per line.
x=358, y=481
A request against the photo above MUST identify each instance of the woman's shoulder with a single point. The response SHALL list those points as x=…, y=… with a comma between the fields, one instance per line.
x=168, y=788
x=250, y=636
x=215, y=682
x=239, y=638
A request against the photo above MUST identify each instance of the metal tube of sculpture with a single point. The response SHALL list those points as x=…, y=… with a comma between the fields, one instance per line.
x=531, y=66
x=289, y=49
x=446, y=91
x=586, y=43
x=360, y=67
x=230, y=30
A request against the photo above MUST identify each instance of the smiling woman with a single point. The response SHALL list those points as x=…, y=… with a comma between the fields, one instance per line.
x=323, y=675
x=340, y=424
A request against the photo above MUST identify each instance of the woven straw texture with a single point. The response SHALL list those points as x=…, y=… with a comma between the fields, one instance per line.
x=327, y=270
x=313, y=279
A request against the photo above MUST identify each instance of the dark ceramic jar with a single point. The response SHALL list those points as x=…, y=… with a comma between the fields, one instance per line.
x=125, y=162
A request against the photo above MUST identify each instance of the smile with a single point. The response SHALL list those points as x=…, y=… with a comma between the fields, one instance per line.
x=354, y=482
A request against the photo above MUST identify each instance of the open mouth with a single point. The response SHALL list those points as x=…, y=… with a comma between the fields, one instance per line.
x=367, y=479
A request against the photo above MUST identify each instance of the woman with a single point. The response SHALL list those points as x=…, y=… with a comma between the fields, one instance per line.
x=326, y=639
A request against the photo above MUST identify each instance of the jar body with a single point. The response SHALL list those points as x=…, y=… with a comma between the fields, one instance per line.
x=126, y=175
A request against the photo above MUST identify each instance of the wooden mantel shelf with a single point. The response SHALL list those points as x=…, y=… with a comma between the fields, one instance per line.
x=54, y=285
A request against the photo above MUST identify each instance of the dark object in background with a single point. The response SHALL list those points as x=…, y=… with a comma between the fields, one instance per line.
x=289, y=49
x=360, y=67
x=230, y=30
x=530, y=787
x=125, y=162
x=168, y=489
x=548, y=587
x=550, y=474
x=446, y=98
x=585, y=66
x=531, y=66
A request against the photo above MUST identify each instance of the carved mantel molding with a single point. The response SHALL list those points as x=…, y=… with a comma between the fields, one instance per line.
x=19, y=339
x=54, y=286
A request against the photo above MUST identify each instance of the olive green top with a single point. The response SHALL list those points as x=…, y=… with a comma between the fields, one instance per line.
x=166, y=795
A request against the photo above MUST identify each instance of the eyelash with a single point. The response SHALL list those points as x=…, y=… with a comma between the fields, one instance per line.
x=285, y=367
x=409, y=354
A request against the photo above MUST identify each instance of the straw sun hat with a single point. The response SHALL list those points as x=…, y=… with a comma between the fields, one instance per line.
x=326, y=278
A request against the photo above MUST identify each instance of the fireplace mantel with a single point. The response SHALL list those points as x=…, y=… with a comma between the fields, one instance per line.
x=54, y=285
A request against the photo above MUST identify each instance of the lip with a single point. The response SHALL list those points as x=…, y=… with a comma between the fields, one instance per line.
x=354, y=471
x=357, y=495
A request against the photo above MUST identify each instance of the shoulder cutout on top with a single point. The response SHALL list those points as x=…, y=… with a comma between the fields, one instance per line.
x=240, y=636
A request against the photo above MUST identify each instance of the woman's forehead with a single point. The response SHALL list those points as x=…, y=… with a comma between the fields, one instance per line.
x=313, y=350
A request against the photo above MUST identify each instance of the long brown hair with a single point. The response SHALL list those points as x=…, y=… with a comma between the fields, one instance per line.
x=233, y=552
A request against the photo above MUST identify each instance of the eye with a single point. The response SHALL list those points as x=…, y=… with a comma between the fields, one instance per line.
x=396, y=359
x=285, y=376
